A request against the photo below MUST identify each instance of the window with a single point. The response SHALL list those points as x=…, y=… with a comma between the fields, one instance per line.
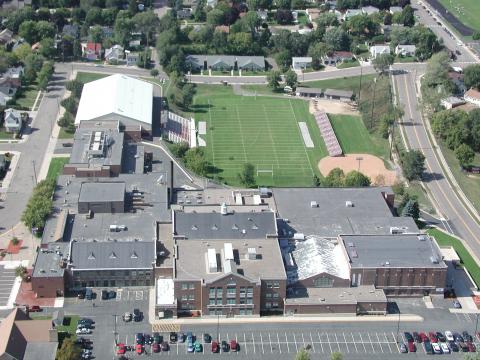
x=276, y=295
x=211, y=293
x=243, y=291
x=219, y=292
x=191, y=297
x=231, y=292
x=275, y=304
x=191, y=286
x=268, y=305
x=268, y=295
x=269, y=285
x=249, y=312
x=211, y=302
x=230, y=301
x=249, y=301
x=242, y=301
x=219, y=301
x=126, y=272
x=184, y=286
x=276, y=284
x=242, y=312
x=323, y=282
x=250, y=292
x=184, y=297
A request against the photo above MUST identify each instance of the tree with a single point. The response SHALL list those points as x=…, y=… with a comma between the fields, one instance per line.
x=472, y=76
x=382, y=62
x=188, y=92
x=284, y=17
x=75, y=87
x=413, y=164
x=44, y=29
x=476, y=35
x=146, y=22
x=132, y=7
x=154, y=73
x=69, y=350
x=44, y=75
x=337, y=39
x=317, y=51
x=336, y=356
x=274, y=78
x=327, y=19
x=195, y=160
x=179, y=150
x=96, y=34
x=247, y=176
x=20, y=271
x=215, y=17
x=291, y=78
x=28, y=31
x=284, y=4
x=356, y=179
x=408, y=18
x=39, y=205
x=316, y=181
x=335, y=178
x=465, y=155
x=47, y=48
x=22, y=51
x=411, y=209
x=70, y=104
x=302, y=355
x=123, y=28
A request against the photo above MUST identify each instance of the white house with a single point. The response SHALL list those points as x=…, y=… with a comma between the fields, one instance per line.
x=379, y=50
x=299, y=63
x=395, y=9
x=12, y=120
x=451, y=102
x=212, y=3
x=370, y=10
x=312, y=14
x=351, y=13
x=115, y=53
x=405, y=50
x=131, y=58
x=473, y=97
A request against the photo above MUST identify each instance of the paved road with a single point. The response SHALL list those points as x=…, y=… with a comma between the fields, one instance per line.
x=450, y=207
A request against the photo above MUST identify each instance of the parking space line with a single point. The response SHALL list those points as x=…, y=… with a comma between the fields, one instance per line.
x=295, y=342
x=354, y=342
x=278, y=342
x=261, y=342
x=303, y=340
x=253, y=339
x=388, y=342
x=361, y=339
x=329, y=344
x=245, y=342
x=313, y=343
x=346, y=345
x=270, y=341
x=320, y=340
x=380, y=343
x=396, y=341
x=286, y=341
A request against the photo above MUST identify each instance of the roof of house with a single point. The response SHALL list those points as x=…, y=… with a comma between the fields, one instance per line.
x=473, y=93
x=116, y=94
x=6, y=35
x=12, y=117
x=302, y=59
x=214, y=225
x=394, y=9
x=405, y=250
x=247, y=60
x=406, y=47
x=370, y=9
x=307, y=90
x=193, y=263
x=112, y=254
x=340, y=93
x=453, y=100
x=48, y=260
x=94, y=47
x=352, y=12
x=71, y=29
x=380, y=47
x=102, y=192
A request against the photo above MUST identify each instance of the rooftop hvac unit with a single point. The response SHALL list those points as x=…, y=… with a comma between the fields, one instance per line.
x=223, y=209
x=434, y=259
x=348, y=203
x=299, y=236
x=212, y=260
x=313, y=204
x=252, y=254
x=228, y=251
x=422, y=237
x=396, y=230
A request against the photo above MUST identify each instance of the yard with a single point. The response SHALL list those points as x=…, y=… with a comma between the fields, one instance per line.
x=56, y=167
x=259, y=130
x=25, y=97
x=466, y=259
x=466, y=11
x=348, y=64
x=67, y=330
x=346, y=83
x=85, y=77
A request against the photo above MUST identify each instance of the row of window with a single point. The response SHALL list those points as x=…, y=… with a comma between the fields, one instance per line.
x=273, y=284
x=271, y=305
x=188, y=286
x=231, y=292
x=121, y=273
x=272, y=295
x=243, y=301
x=225, y=312
x=111, y=283
x=190, y=297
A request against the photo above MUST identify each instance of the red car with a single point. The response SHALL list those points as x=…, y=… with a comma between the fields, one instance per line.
x=411, y=347
x=423, y=336
x=139, y=349
x=233, y=345
x=433, y=337
x=478, y=336
x=155, y=348
x=471, y=347
x=214, y=347
x=121, y=349
x=35, y=308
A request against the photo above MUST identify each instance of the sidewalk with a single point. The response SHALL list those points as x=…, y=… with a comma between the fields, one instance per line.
x=29, y=244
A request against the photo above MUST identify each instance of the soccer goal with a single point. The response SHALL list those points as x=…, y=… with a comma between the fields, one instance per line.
x=264, y=170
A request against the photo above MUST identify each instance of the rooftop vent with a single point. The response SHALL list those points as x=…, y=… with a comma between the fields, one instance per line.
x=91, y=256
x=228, y=251
x=214, y=227
x=434, y=259
x=113, y=255
x=254, y=227
x=422, y=237
x=212, y=261
x=348, y=203
x=387, y=263
x=234, y=227
x=194, y=227
x=313, y=204
x=299, y=236
x=223, y=209
x=252, y=254
x=134, y=255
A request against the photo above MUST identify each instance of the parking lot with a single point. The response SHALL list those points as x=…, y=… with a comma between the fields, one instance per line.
x=121, y=295
x=7, y=279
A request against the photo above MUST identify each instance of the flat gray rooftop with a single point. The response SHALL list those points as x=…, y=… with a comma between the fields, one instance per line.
x=374, y=251
x=192, y=262
x=213, y=225
x=335, y=296
x=41, y=350
x=102, y=191
x=369, y=214
x=112, y=255
x=47, y=263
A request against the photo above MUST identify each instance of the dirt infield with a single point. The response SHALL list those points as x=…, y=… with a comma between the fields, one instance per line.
x=332, y=107
x=370, y=165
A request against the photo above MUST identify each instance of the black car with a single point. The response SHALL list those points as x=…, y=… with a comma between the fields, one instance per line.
x=104, y=295
x=81, y=295
x=112, y=294
x=207, y=338
x=440, y=336
x=137, y=315
x=224, y=346
x=86, y=321
x=408, y=336
x=148, y=339
x=173, y=337
x=157, y=338
x=139, y=339
x=467, y=336
x=458, y=338
x=452, y=346
x=417, y=337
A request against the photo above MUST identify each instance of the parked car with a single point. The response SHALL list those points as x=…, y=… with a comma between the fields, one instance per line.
x=433, y=337
x=467, y=336
x=127, y=317
x=408, y=336
x=121, y=349
x=207, y=338
x=190, y=337
x=440, y=336
x=155, y=348
x=428, y=347
x=81, y=295
x=157, y=338
x=458, y=337
x=164, y=346
x=403, y=348
x=453, y=347
x=215, y=347
x=417, y=337
x=139, y=338
x=137, y=315
x=449, y=336
x=456, y=304
x=181, y=337
x=173, y=337
x=198, y=347
x=112, y=294
x=224, y=346
x=445, y=348
x=83, y=331
x=233, y=345
x=89, y=294
x=436, y=348
x=412, y=347
x=86, y=321
x=34, y=308
x=104, y=295
x=424, y=337
x=462, y=346
x=148, y=339
x=139, y=349
x=86, y=326
x=471, y=347
x=190, y=348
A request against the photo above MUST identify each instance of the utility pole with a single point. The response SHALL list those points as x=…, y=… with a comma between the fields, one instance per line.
x=34, y=172
x=373, y=102
x=218, y=327
x=360, y=91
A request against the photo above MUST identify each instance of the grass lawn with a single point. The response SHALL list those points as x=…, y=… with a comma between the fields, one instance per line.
x=466, y=11
x=25, y=97
x=56, y=167
x=416, y=189
x=40, y=317
x=68, y=328
x=302, y=18
x=405, y=59
x=466, y=259
x=354, y=137
x=63, y=134
x=262, y=131
x=346, y=83
x=86, y=77
x=5, y=135
x=348, y=64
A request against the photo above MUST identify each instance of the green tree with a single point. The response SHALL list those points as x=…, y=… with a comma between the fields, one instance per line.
x=188, y=92
x=146, y=22
x=316, y=181
x=69, y=350
x=70, y=104
x=465, y=155
x=44, y=29
x=179, y=150
x=22, y=51
x=335, y=178
x=337, y=39
x=317, y=51
x=274, y=77
x=302, y=355
x=28, y=31
x=411, y=209
x=20, y=271
x=291, y=78
x=336, y=356
x=75, y=87
x=247, y=175
x=408, y=18
x=39, y=205
x=195, y=160
x=413, y=164
x=284, y=4
x=123, y=28
x=356, y=179
x=472, y=76
x=47, y=48
x=215, y=17
x=476, y=35
x=327, y=19
x=382, y=62
x=95, y=34
x=45, y=74
x=132, y=7
x=154, y=73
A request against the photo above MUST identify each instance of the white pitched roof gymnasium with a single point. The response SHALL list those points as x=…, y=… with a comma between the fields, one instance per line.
x=116, y=95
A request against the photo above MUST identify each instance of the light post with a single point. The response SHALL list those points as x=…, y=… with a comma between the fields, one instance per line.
x=373, y=101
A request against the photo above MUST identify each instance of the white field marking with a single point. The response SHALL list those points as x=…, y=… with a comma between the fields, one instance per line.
x=313, y=343
x=298, y=132
x=320, y=340
x=270, y=341
x=271, y=136
x=388, y=342
x=381, y=347
x=261, y=342
x=286, y=341
x=210, y=123
x=303, y=340
x=344, y=338
x=245, y=342
x=241, y=133
x=253, y=340
x=236, y=339
x=279, y=346
x=338, y=344
x=354, y=342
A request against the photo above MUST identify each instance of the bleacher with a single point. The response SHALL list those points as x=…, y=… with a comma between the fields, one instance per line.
x=328, y=134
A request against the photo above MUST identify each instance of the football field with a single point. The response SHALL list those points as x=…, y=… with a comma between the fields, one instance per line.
x=263, y=131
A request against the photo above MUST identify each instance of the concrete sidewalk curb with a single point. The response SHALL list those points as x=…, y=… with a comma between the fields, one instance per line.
x=290, y=319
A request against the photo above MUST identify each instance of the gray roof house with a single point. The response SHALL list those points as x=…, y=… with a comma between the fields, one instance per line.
x=225, y=62
x=370, y=10
x=115, y=53
x=71, y=30
x=405, y=50
x=395, y=9
x=251, y=62
x=12, y=120
x=6, y=36
x=351, y=13
x=8, y=89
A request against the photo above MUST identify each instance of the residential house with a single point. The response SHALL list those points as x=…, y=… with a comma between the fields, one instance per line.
x=14, y=74
x=108, y=32
x=351, y=13
x=6, y=36
x=253, y=63
x=185, y=13
x=451, y=102
x=370, y=10
x=301, y=63
x=337, y=57
x=115, y=53
x=308, y=92
x=304, y=31
x=379, y=50
x=405, y=50
x=8, y=89
x=71, y=30
x=224, y=62
x=92, y=51
x=263, y=14
x=312, y=14
x=457, y=79
x=12, y=120
x=212, y=3
x=395, y=9
x=342, y=95
x=131, y=58
x=472, y=96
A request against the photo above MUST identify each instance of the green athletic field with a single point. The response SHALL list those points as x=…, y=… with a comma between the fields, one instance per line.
x=259, y=130
x=467, y=11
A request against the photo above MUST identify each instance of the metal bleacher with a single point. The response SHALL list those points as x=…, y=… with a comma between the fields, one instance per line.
x=328, y=134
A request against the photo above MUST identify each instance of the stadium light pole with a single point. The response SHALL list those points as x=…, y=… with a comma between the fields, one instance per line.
x=373, y=101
